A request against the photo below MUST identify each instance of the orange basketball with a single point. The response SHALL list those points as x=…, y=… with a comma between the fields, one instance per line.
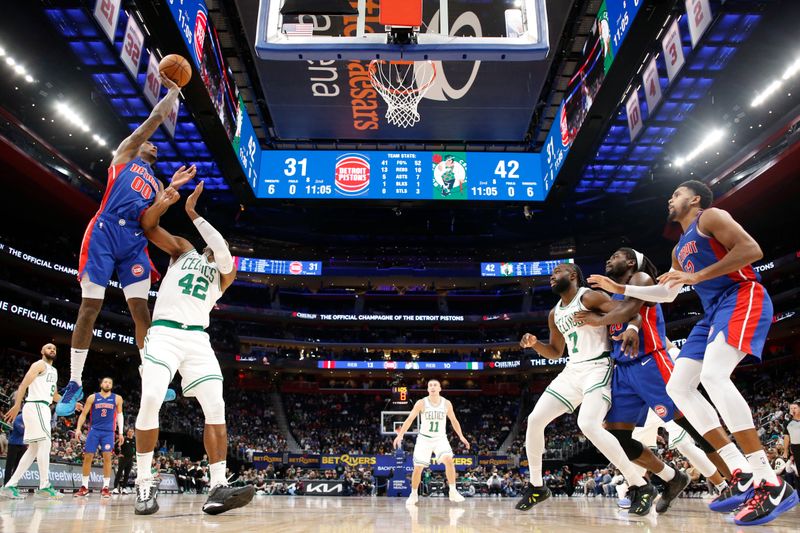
x=176, y=68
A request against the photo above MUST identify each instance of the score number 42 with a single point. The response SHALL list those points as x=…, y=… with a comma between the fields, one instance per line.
x=510, y=169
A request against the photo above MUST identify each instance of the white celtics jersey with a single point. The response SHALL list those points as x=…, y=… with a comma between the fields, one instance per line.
x=44, y=386
x=433, y=420
x=583, y=342
x=189, y=290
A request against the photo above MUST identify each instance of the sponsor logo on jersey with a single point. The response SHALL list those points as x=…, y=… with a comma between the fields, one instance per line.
x=352, y=174
x=137, y=270
x=660, y=410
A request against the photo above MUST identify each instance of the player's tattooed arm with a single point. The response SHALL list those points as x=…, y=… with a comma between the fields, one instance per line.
x=551, y=350
x=128, y=148
x=616, y=311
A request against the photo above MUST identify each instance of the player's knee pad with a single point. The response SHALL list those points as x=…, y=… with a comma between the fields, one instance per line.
x=633, y=448
x=140, y=289
x=209, y=394
x=92, y=290
x=699, y=440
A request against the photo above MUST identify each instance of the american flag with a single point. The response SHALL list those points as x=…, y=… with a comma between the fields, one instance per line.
x=298, y=30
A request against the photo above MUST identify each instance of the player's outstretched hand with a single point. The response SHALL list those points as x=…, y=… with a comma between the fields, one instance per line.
x=191, y=202
x=182, y=176
x=169, y=84
x=464, y=441
x=397, y=440
x=11, y=414
x=588, y=318
x=528, y=341
x=677, y=277
x=630, y=342
x=596, y=281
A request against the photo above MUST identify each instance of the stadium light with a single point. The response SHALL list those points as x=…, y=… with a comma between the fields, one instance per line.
x=713, y=137
x=793, y=69
x=766, y=93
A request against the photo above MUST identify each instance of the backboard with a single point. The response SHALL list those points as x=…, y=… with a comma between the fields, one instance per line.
x=519, y=32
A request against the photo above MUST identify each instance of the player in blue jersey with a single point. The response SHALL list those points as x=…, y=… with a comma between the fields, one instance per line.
x=114, y=241
x=714, y=255
x=641, y=373
x=105, y=409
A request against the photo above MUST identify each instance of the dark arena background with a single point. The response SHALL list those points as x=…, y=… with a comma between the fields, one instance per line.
x=399, y=183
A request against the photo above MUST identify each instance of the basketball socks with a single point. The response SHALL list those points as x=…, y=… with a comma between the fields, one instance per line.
x=453, y=488
x=721, y=486
x=761, y=468
x=85, y=482
x=734, y=458
x=144, y=463
x=667, y=473
x=76, y=361
x=218, y=476
x=106, y=481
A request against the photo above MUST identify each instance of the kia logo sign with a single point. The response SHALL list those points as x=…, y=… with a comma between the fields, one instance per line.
x=295, y=267
x=324, y=487
x=352, y=174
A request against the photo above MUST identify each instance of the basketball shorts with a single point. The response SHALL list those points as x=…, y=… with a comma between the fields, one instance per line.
x=36, y=417
x=639, y=385
x=186, y=352
x=743, y=314
x=426, y=447
x=113, y=244
x=579, y=379
x=99, y=438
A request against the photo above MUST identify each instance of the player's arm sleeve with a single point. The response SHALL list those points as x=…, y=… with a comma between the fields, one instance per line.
x=654, y=293
x=213, y=238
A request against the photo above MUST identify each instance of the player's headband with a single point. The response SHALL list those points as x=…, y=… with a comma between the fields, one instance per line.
x=639, y=259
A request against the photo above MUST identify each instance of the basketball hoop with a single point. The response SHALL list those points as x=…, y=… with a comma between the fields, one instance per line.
x=402, y=84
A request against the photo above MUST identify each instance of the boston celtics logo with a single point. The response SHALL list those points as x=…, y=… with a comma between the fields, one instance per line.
x=449, y=176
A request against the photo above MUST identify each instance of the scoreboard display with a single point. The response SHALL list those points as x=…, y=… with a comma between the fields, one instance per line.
x=400, y=398
x=447, y=175
x=278, y=267
x=519, y=269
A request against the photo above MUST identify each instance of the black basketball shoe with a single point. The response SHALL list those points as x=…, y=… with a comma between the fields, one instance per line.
x=222, y=498
x=740, y=489
x=768, y=502
x=531, y=496
x=642, y=499
x=146, y=502
x=674, y=487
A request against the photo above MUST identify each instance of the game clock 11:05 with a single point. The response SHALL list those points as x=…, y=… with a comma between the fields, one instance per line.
x=445, y=176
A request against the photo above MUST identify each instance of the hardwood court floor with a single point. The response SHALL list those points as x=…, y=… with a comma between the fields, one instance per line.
x=287, y=514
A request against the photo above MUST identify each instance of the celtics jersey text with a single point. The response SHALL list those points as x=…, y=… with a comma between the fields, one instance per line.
x=44, y=386
x=583, y=342
x=433, y=418
x=188, y=291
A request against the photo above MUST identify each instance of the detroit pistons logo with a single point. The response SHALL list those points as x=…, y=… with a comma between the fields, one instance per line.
x=352, y=174
x=660, y=410
x=200, y=24
x=295, y=267
x=137, y=270
x=107, y=447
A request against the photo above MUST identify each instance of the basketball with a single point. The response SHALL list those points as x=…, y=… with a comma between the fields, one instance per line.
x=176, y=68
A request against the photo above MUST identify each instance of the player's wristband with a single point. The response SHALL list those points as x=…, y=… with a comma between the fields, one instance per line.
x=634, y=328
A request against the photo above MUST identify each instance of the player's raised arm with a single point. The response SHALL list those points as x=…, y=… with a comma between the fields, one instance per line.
x=213, y=238
x=552, y=350
x=169, y=243
x=604, y=311
x=129, y=147
x=36, y=369
x=418, y=406
x=451, y=414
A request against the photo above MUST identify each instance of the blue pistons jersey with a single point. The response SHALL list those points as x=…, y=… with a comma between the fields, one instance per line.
x=104, y=413
x=652, y=334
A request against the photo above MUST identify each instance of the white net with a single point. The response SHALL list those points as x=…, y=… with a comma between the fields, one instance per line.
x=402, y=84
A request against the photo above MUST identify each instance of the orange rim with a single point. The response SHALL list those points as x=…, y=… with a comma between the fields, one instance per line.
x=376, y=81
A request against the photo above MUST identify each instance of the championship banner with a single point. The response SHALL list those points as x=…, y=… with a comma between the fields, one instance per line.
x=329, y=462
x=652, y=86
x=699, y=18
